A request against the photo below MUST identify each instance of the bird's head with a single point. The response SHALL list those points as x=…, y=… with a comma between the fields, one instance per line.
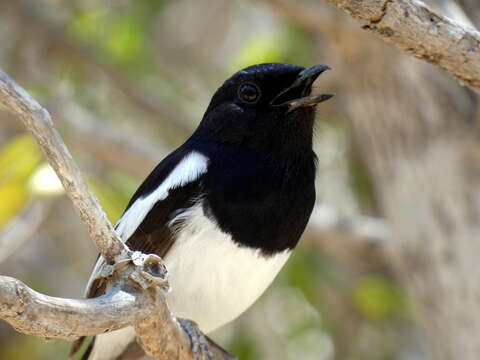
x=266, y=107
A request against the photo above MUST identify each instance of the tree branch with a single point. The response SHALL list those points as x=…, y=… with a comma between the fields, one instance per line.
x=50, y=317
x=418, y=31
x=39, y=123
x=139, y=276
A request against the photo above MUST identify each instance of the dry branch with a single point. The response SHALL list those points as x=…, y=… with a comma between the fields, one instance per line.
x=50, y=317
x=38, y=121
x=141, y=276
x=419, y=31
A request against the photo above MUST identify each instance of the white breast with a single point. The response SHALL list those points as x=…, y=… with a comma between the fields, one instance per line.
x=213, y=279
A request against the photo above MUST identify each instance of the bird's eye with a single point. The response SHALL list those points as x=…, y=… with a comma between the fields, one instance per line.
x=249, y=93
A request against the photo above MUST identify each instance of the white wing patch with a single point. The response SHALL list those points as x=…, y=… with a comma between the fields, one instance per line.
x=189, y=169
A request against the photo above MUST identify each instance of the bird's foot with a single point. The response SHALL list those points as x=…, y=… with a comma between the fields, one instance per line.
x=200, y=348
x=153, y=271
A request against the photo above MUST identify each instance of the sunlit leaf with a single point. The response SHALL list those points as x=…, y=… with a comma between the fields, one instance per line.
x=18, y=160
x=44, y=182
x=14, y=195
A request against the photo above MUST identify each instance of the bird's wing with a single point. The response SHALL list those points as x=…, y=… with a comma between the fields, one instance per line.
x=146, y=225
x=148, y=222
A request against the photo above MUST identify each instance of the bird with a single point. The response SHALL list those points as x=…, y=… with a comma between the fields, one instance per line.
x=227, y=207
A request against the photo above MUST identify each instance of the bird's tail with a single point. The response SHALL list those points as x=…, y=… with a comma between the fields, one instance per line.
x=77, y=344
x=87, y=352
x=107, y=346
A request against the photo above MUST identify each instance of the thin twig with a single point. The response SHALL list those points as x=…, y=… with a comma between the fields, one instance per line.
x=19, y=230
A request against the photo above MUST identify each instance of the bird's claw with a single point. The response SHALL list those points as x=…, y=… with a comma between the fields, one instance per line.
x=153, y=271
x=146, y=270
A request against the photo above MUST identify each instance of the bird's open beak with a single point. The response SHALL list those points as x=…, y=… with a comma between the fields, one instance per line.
x=299, y=93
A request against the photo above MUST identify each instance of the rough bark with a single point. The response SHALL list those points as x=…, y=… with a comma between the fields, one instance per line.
x=49, y=317
x=419, y=31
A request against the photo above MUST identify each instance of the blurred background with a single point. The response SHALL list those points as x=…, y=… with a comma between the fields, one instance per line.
x=126, y=81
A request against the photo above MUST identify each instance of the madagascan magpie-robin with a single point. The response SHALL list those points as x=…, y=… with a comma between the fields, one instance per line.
x=226, y=208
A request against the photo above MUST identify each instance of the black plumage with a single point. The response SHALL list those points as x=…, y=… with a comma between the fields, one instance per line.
x=256, y=171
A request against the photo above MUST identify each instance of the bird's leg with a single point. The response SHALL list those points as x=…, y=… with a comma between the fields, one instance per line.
x=200, y=348
x=203, y=348
x=219, y=351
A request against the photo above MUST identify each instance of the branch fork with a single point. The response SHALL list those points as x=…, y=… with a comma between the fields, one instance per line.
x=136, y=282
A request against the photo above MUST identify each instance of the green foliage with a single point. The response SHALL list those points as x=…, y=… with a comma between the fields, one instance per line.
x=291, y=45
x=378, y=298
x=120, y=36
x=125, y=39
x=243, y=347
x=23, y=347
x=307, y=270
